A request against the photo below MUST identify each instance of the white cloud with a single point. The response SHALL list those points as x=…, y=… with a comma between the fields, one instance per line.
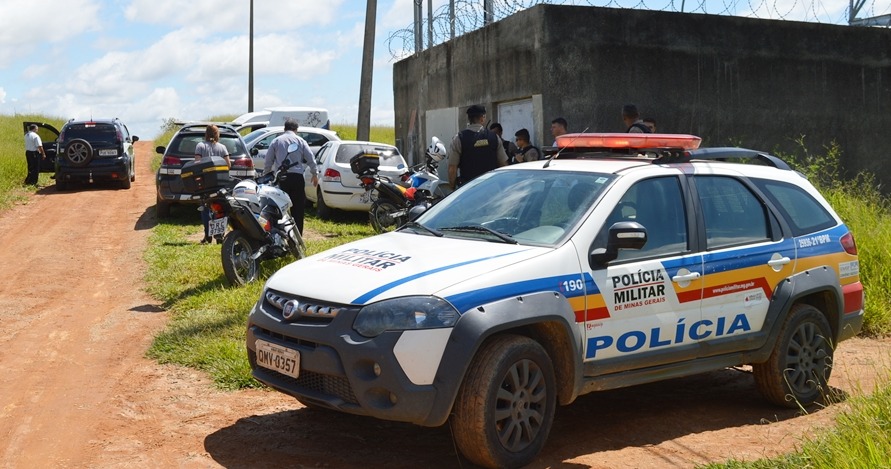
x=27, y=24
x=229, y=15
x=2, y=95
x=288, y=55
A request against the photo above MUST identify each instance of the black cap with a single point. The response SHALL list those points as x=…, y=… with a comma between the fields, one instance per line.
x=476, y=110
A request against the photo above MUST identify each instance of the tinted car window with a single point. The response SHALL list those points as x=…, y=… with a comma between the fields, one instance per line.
x=264, y=143
x=313, y=139
x=733, y=214
x=800, y=209
x=185, y=144
x=658, y=205
x=253, y=136
x=91, y=132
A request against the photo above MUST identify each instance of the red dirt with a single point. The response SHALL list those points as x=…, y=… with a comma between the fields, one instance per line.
x=77, y=390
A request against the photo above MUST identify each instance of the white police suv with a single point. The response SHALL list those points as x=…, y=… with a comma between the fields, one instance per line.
x=622, y=259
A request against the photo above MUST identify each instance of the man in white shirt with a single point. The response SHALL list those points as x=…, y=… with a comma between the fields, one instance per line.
x=33, y=154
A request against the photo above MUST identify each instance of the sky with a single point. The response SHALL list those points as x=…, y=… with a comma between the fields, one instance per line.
x=146, y=61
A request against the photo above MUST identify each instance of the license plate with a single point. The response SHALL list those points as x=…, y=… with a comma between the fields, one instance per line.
x=217, y=226
x=275, y=357
x=108, y=152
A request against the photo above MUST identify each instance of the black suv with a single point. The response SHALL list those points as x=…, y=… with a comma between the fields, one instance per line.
x=181, y=150
x=88, y=151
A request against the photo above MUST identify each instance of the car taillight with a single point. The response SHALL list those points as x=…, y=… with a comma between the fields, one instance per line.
x=245, y=163
x=171, y=161
x=847, y=242
x=119, y=136
x=331, y=175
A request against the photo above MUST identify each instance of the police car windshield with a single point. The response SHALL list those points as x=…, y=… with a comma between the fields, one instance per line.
x=528, y=206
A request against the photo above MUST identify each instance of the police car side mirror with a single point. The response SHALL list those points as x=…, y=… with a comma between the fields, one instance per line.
x=622, y=235
x=255, y=151
x=160, y=150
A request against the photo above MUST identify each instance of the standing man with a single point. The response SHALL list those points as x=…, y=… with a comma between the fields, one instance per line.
x=559, y=126
x=33, y=154
x=293, y=184
x=474, y=150
x=528, y=152
x=632, y=120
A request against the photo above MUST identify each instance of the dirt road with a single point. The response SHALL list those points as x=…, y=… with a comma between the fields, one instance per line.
x=76, y=390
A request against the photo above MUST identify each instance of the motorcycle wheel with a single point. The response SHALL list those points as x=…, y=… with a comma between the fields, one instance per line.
x=239, y=267
x=381, y=216
x=296, y=244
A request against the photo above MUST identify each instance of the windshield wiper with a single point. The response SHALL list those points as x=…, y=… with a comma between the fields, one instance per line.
x=483, y=229
x=414, y=224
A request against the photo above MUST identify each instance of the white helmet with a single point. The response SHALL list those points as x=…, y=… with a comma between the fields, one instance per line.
x=436, y=151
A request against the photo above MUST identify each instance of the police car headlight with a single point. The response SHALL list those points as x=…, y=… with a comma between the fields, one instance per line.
x=399, y=314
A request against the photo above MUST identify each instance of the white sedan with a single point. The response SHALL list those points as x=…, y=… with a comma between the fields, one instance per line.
x=339, y=187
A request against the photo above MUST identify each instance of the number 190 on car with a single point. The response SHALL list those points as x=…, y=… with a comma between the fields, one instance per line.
x=277, y=358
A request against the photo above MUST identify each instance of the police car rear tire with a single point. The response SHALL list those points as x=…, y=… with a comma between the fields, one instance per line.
x=505, y=408
x=797, y=372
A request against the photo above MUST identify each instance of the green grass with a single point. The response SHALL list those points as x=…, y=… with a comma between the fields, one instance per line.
x=866, y=212
x=207, y=317
x=861, y=438
x=13, y=166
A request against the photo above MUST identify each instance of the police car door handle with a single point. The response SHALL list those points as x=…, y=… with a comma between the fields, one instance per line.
x=779, y=262
x=686, y=277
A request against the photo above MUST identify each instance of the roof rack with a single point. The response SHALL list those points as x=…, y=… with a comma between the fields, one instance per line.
x=722, y=153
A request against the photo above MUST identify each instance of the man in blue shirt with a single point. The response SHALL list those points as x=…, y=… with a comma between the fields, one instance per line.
x=293, y=184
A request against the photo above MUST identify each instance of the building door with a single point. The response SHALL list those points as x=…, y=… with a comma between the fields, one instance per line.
x=516, y=115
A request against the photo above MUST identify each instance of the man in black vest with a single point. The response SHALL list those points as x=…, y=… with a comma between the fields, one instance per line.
x=631, y=118
x=474, y=150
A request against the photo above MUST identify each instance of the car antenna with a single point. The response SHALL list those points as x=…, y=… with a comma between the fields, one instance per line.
x=555, y=155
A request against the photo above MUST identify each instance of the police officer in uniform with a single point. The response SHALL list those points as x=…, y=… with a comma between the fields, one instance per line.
x=474, y=150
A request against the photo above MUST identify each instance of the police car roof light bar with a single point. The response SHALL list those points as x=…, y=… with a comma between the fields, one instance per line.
x=629, y=141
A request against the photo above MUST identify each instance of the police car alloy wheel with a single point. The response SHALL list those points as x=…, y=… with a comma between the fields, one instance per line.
x=508, y=396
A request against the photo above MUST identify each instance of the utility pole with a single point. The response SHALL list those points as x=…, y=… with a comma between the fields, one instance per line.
x=363, y=128
x=251, y=62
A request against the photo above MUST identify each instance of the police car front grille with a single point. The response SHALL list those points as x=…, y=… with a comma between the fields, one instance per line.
x=336, y=386
x=307, y=311
x=290, y=340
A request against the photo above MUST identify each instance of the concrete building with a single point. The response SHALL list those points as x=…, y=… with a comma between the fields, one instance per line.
x=760, y=84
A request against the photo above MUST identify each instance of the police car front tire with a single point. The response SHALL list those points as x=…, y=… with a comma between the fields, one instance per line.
x=797, y=372
x=505, y=407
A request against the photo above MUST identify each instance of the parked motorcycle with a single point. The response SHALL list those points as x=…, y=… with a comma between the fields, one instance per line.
x=259, y=213
x=395, y=203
